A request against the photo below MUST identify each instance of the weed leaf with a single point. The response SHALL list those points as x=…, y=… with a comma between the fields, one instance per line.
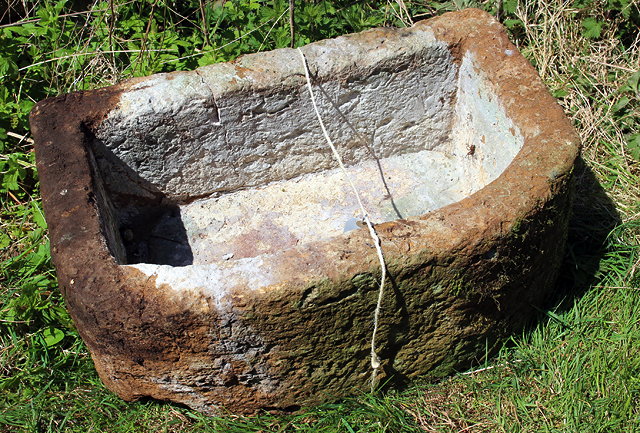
x=52, y=336
x=592, y=28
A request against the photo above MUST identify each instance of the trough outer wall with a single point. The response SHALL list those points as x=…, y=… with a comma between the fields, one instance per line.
x=463, y=277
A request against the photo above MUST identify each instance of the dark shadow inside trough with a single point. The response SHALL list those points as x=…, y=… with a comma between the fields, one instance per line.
x=155, y=234
x=146, y=226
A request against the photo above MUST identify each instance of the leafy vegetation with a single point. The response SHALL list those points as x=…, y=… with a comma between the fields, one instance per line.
x=579, y=370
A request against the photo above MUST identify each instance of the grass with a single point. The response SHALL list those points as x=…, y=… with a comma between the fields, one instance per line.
x=578, y=370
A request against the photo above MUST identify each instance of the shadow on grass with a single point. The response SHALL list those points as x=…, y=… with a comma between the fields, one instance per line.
x=593, y=217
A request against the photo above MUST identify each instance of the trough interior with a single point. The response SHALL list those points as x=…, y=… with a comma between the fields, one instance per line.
x=196, y=173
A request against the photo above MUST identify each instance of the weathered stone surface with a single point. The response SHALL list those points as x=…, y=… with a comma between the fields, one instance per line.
x=208, y=249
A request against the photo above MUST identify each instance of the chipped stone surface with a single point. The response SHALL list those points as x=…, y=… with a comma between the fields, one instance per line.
x=210, y=253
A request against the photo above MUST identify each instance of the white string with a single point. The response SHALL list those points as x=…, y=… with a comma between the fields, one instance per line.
x=375, y=360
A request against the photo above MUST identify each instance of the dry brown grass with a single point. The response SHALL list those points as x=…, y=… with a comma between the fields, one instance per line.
x=591, y=72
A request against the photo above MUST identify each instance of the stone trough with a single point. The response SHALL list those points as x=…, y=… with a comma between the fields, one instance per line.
x=211, y=252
